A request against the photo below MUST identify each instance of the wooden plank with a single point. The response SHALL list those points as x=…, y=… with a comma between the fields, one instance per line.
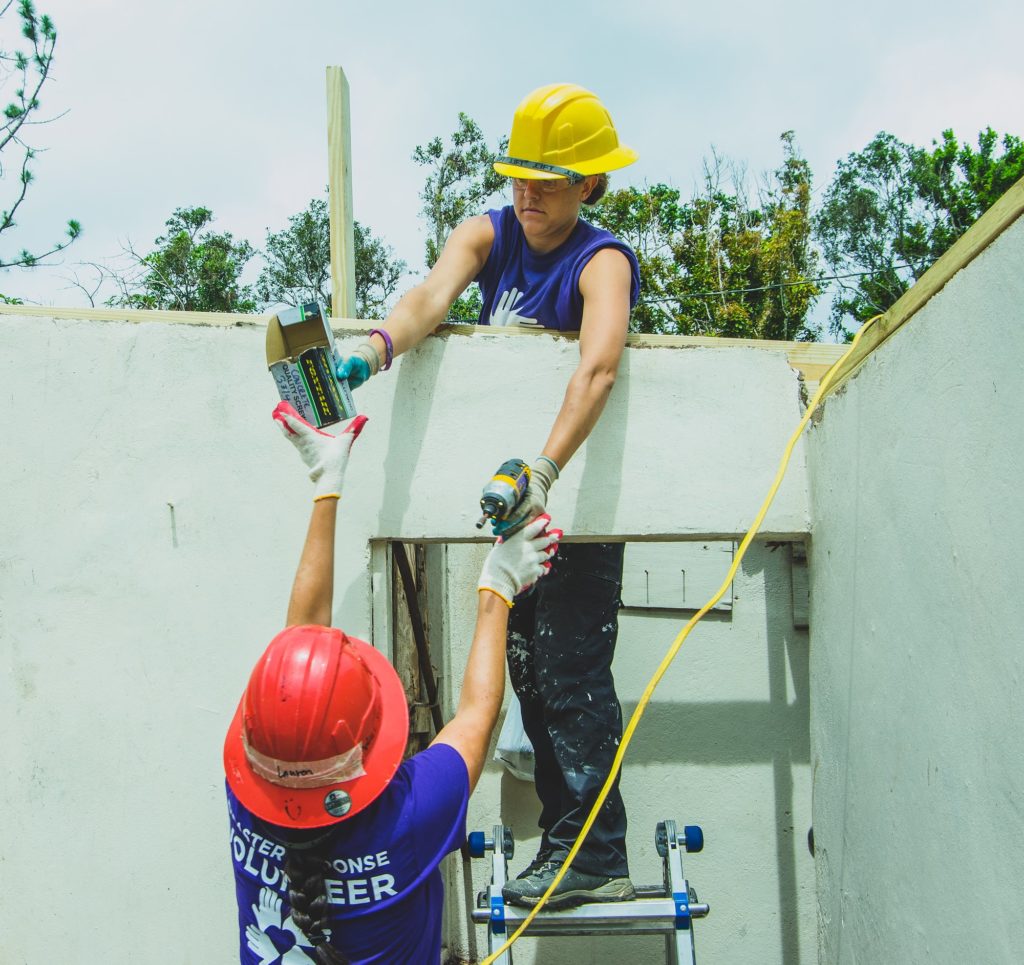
x=339, y=167
x=966, y=248
x=215, y=319
x=812, y=373
x=812, y=359
x=406, y=663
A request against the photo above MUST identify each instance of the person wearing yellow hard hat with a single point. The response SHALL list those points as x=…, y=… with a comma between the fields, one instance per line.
x=539, y=264
x=335, y=840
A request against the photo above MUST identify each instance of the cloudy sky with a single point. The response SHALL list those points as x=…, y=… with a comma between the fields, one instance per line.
x=221, y=103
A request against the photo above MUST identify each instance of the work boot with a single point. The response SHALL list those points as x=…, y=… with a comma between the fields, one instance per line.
x=575, y=888
x=545, y=854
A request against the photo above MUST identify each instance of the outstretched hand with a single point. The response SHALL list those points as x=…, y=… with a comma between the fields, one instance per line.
x=325, y=455
x=516, y=562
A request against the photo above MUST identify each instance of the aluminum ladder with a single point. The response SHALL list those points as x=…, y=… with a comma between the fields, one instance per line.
x=668, y=910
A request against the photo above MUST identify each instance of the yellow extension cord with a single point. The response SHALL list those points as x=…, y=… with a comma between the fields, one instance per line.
x=627, y=735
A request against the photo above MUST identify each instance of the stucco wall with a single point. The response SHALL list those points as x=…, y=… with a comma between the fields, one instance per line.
x=152, y=521
x=916, y=664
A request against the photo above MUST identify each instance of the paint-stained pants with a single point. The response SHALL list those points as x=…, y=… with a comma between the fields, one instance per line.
x=561, y=640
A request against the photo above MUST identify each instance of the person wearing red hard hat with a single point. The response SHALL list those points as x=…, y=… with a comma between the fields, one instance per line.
x=539, y=264
x=335, y=841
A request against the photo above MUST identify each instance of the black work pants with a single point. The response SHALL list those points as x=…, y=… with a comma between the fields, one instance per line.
x=561, y=640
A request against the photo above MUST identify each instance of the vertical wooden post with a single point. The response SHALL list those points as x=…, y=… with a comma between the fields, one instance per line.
x=339, y=163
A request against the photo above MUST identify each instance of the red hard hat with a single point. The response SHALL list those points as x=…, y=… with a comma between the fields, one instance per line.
x=320, y=730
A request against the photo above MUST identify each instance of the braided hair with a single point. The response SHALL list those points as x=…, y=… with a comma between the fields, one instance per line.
x=305, y=865
x=307, y=895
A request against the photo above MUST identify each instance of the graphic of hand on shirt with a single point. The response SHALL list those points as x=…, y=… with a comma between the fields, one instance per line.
x=505, y=313
x=260, y=943
x=268, y=911
x=268, y=915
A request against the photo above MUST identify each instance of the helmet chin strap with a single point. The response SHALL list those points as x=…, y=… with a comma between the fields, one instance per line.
x=574, y=177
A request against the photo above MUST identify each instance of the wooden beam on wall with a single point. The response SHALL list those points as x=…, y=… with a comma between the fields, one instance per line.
x=139, y=315
x=339, y=165
x=812, y=359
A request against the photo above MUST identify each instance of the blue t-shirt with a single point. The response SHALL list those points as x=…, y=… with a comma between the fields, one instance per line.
x=386, y=893
x=522, y=287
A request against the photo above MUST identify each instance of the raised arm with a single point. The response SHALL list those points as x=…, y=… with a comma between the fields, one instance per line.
x=421, y=309
x=326, y=456
x=511, y=566
x=312, y=599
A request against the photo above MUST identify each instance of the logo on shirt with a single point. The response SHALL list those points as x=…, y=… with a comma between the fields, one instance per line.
x=276, y=939
x=505, y=312
x=273, y=934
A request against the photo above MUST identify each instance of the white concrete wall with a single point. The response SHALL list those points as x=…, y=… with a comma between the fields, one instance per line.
x=151, y=524
x=917, y=660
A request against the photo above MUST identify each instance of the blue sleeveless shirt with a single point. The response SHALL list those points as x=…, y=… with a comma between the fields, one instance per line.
x=522, y=287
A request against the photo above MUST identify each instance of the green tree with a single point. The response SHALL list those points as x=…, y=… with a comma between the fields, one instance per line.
x=298, y=264
x=377, y=273
x=892, y=209
x=649, y=221
x=460, y=181
x=873, y=223
x=297, y=260
x=192, y=269
x=963, y=183
x=29, y=68
x=718, y=264
x=789, y=261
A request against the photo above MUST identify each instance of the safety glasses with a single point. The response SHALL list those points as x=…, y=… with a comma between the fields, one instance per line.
x=544, y=187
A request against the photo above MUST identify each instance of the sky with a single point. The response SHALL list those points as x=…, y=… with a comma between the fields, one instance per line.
x=222, y=103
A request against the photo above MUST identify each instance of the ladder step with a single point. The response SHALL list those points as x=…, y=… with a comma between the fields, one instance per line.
x=643, y=916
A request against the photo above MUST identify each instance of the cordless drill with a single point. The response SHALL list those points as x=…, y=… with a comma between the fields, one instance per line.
x=504, y=491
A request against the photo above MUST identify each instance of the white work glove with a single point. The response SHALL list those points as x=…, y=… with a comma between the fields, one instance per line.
x=324, y=454
x=543, y=473
x=516, y=562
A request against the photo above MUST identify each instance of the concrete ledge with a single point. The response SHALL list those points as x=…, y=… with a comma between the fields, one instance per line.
x=811, y=359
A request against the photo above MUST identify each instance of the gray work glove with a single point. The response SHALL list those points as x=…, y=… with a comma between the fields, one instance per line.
x=543, y=473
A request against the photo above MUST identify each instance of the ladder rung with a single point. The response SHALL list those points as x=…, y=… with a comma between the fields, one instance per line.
x=644, y=916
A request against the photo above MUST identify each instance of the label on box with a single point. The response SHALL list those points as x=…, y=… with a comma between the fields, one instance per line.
x=291, y=389
x=300, y=356
x=321, y=386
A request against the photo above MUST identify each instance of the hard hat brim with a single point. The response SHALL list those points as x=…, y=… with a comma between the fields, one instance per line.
x=291, y=807
x=612, y=161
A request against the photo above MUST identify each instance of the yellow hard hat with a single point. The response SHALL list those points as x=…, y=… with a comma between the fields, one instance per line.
x=562, y=131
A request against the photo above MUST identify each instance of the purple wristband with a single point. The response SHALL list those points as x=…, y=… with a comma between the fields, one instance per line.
x=388, y=346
